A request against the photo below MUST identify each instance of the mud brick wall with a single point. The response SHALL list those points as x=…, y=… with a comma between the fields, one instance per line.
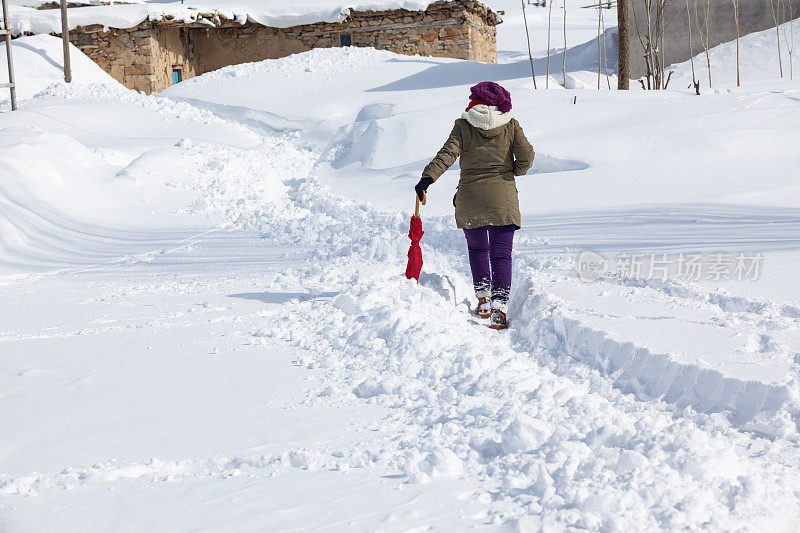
x=142, y=58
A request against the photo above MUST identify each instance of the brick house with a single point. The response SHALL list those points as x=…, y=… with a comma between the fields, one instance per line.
x=158, y=53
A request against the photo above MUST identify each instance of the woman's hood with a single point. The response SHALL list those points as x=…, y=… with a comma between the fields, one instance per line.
x=486, y=118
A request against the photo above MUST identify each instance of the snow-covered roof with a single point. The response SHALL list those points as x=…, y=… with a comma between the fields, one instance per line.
x=275, y=13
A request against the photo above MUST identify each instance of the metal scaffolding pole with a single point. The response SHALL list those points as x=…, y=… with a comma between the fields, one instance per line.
x=6, y=32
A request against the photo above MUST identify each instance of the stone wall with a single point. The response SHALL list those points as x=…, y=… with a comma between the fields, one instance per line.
x=172, y=47
x=482, y=36
x=219, y=47
x=142, y=58
x=462, y=30
x=125, y=54
x=754, y=15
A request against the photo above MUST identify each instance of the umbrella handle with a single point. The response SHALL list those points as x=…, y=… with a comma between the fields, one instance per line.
x=424, y=201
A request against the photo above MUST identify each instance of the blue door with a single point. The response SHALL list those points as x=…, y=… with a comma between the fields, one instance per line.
x=176, y=76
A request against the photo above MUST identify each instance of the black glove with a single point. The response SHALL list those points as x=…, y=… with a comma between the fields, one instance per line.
x=422, y=186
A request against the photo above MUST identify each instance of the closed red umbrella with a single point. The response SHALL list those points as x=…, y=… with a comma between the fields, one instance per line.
x=415, y=233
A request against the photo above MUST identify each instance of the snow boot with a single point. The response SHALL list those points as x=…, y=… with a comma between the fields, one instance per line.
x=498, y=319
x=484, y=308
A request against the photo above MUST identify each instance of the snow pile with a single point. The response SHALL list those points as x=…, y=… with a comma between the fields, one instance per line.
x=235, y=186
x=50, y=203
x=760, y=398
x=33, y=184
x=323, y=78
x=65, y=209
x=269, y=13
x=39, y=61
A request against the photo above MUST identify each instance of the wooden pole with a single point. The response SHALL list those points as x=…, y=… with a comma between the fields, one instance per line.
x=7, y=34
x=528, y=36
x=624, y=45
x=424, y=201
x=65, y=41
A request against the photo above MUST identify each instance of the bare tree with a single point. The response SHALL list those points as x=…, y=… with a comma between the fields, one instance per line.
x=649, y=55
x=790, y=41
x=703, y=32
x=549, y=17
x=599, y=44
x=605, y=54
x=776, y=20
x=528, y=36
x=666, y=84
x=660, y=22
x=564, y=55
x=653, y=42
x=651, y=50
x=736, y=19
x=695, y=82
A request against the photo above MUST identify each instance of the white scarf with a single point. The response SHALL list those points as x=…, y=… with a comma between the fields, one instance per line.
x=486, y=117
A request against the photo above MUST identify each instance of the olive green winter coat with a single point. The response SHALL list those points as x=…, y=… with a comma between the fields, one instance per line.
x=487, y=191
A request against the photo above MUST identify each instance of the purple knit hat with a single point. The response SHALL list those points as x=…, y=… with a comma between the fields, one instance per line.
x=493, y=94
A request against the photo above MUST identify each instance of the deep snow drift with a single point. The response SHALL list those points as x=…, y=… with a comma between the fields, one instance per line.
x=205, y=314
x=39, y=61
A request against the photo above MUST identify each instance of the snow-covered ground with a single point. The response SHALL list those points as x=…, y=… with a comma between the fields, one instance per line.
x=205, y=324
x=38, y=62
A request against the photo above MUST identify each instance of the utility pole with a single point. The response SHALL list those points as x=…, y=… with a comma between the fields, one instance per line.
x=6, y=31
x=624, y=45
x=65, y=41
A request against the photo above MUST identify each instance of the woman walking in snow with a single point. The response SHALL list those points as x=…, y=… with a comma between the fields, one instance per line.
x=493, y=149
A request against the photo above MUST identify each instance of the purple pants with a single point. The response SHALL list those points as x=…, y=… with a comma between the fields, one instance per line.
x=490, y=261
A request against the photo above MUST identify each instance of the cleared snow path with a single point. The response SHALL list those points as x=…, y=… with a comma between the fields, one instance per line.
x=553, y=442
